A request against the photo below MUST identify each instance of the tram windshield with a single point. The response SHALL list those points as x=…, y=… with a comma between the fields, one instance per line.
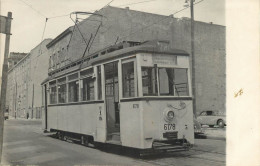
x=165, y=81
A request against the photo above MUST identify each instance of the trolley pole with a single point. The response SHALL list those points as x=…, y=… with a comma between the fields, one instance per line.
x=7, y=30
x=193, y=57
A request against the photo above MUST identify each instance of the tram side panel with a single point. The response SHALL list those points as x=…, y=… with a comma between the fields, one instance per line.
x=131, y=124
x=143, y=122
x=87, y=119
x=52, y=118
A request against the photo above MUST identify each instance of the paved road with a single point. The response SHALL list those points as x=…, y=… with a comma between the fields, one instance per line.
x=25, y=144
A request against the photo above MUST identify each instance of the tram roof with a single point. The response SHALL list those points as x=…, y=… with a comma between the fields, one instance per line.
x=154, y=47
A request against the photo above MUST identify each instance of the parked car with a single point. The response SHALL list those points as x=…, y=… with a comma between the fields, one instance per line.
x=198, y=132
x=211, y=118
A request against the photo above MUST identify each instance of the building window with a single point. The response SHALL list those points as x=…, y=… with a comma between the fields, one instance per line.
x=99, y=89
x=62, y=90
x=73, y=91
x=53, y=92
x=149, y=79
x=128, y=77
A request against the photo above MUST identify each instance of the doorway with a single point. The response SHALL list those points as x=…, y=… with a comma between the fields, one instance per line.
x=112, y=101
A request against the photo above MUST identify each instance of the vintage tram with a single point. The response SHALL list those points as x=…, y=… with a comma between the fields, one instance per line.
x=131, y=94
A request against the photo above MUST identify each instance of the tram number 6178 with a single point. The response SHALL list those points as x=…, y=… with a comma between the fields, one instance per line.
x=169, y=126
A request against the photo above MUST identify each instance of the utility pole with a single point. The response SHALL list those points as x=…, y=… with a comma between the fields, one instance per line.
x=32, y=101
x=193, y=82
x=193, y=56
x=5, y=28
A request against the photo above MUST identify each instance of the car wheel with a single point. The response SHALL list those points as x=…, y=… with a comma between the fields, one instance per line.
x=221, y=123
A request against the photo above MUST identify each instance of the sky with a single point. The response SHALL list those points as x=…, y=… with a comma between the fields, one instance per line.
x=29, y=16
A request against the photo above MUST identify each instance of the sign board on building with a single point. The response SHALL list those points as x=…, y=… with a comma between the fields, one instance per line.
x=3, y=22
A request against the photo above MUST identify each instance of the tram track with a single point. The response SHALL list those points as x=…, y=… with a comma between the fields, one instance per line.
x=207, y=151
x=194, y=156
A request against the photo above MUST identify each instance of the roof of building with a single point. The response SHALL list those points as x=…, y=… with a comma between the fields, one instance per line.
x=27, y=55
x=60, y=36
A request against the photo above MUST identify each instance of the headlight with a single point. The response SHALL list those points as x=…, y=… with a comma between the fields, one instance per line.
x=170, y=115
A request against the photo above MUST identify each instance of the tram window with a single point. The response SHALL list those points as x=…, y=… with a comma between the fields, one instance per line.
x=53, y=93
x=99, y=83
x=149, y=81
x=173, y=82
x=62, y=80
x=166, y=81
x=88, y=89
x=62, y=93
x=128, y=79
x=73, y=91
x=86, y=73
x=73, y=76
x=181, y=82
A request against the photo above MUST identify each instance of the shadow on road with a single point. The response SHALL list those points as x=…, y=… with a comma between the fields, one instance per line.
x=132, y=152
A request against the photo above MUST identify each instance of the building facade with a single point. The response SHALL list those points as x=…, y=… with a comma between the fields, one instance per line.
x=24, y=98
x=14, y=58
x=128, y=25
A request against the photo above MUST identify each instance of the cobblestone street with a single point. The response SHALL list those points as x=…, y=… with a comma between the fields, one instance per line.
x=25, y=144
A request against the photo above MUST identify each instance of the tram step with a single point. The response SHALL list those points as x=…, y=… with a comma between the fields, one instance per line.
x=165, y=146
x=170, y=148
x=115, y=142
x=114, y=136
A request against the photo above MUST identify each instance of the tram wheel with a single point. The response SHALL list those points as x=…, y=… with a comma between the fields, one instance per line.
x=61, y=136
x=84, y=140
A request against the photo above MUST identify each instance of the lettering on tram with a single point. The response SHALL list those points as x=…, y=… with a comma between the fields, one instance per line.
x=137, y=95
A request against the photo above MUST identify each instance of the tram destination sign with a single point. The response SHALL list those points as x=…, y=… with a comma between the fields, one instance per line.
x=164, y=59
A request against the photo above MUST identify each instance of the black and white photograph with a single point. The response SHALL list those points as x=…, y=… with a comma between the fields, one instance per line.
x=132, y=82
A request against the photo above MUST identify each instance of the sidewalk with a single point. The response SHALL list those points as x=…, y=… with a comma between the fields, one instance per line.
x=29, y=119
x=215, y=133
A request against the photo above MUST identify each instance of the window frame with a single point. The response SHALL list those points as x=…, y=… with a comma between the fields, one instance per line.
x=70, y=81
x=66, y=89
x=156, y=68
x=174, y=89
x=129, y=60
x=50, y=89
x=81, y=87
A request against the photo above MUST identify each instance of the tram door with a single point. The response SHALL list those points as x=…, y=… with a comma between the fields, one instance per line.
x=112, y=100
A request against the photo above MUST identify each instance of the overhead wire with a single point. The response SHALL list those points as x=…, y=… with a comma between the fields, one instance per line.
x=136, y=3
x=59, y=16
x=187, y=7
x=26, y=3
